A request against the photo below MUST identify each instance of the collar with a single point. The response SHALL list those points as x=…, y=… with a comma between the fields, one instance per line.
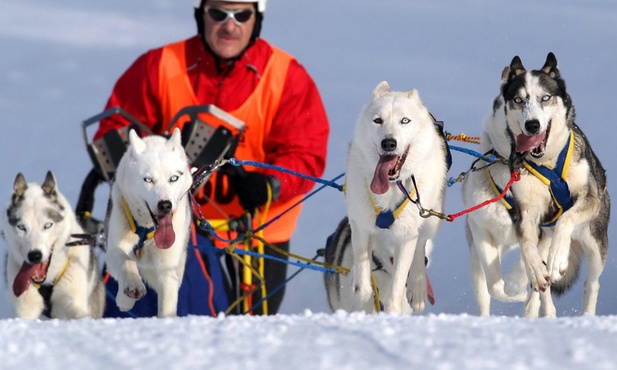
x=385, y=218
x=142, y=232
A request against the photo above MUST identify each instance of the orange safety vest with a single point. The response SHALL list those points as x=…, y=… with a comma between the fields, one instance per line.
x=257, y=112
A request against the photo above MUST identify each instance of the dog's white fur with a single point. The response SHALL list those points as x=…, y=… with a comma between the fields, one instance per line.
x=339, y=285
x=399, y=116
x=40, y=219
x=491, y=231
x=153, y=170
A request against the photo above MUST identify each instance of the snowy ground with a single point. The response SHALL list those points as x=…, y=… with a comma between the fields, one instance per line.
x=60, y=60
x=313, y=341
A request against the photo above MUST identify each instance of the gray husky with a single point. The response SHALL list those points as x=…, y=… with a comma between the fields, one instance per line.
x=559, y=210
x=48, y=278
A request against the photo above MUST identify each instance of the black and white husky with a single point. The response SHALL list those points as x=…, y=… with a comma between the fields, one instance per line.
x=47, y=277
x=396, y=154
x=559, y=210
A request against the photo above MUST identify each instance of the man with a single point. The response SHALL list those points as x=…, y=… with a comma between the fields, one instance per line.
x=228, y=65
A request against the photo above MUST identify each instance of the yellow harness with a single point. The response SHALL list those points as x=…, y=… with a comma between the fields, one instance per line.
x=385, y=219
x=553, y=178
x=143, y=232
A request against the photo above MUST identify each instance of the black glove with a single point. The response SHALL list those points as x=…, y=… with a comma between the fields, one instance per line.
x=252, y=188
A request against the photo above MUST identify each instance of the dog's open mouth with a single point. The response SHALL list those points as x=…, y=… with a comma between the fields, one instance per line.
x=30, y=273
x=388, y=170
x=164, y=235
x=535, y=145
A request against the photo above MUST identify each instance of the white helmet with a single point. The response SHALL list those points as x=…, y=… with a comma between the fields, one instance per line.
x=261, y=4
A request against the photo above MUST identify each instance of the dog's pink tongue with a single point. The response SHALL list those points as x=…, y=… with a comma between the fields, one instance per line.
x=526, y=143
x=381, y=182
x=24, y=277
x=164, y=235
x=429, y=290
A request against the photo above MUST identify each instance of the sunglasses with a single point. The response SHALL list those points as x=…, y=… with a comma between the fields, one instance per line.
x=220, y=16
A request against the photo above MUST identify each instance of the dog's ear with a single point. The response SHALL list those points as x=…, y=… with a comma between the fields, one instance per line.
x=412, y=94
x=550, y=66
x=49, y=185
x=382, y=88
x=175, y=141
x=136, y=142
x=20, y=185
x=504, y=75
x=516, y=68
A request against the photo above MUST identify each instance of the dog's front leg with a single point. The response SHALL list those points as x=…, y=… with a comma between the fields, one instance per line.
x=403, y=256
x=528, y=234
x=361, y=286
x=29, y=305
x=70, y=296
x=582, y=212
x=557, y=261
x=417, y=284
x=122, y=266
x=168, y=287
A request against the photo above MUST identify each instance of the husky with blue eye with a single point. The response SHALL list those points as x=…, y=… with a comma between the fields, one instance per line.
x=397, y=156
x=559, y=210
x=51, y=274
x=149, y=221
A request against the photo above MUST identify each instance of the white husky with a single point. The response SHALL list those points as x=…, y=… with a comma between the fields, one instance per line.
x=149, y=221
x=395, y=140
x=48, y=278
x=557, y=212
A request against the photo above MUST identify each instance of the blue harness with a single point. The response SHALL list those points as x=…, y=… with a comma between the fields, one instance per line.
x=554, y=178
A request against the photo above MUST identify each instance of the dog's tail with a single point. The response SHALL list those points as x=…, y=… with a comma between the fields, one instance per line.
x=569, y=279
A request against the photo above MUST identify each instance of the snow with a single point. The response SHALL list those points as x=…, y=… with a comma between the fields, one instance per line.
x=60, y=61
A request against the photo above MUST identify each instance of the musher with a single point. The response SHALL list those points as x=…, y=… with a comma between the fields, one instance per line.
x=228, y=65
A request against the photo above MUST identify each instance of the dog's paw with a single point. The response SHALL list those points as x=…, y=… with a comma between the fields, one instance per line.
x=123, y=302
x=417, y=297
x=418, y=303
x=128, y=293
x=539, y=279
x=557, y=266
x=135, y=294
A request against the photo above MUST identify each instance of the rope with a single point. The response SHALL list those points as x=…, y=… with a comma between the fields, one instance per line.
x=464, y=138
x=312, y=264
x=491, y=158
x=515, y=177
x=236, y=162
x=280, y=286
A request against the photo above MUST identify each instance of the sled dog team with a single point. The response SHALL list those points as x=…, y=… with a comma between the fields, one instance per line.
x=557, y=212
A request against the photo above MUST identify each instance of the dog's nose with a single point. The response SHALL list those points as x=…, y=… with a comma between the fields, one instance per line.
x=35, y=257
x=164, y=207
x=532, y=126
x=388, y=144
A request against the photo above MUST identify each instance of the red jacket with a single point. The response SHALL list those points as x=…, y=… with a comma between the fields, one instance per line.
x=299, y=132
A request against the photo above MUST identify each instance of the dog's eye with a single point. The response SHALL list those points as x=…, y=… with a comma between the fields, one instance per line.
x=148, y=180
x=518, y=100
x=378, y=120
x=48, y=225
x=21, y=227
x=174, y=178
x=546, y=98
x=405, y=120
